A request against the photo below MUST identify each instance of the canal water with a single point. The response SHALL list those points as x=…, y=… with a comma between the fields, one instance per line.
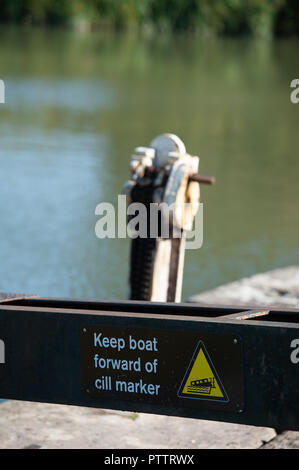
x=78, y=104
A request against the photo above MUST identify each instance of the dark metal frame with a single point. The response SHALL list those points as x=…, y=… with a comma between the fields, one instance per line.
x=43, y=357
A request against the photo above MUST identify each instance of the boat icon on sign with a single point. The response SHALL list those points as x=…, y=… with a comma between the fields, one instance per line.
x=202, y=386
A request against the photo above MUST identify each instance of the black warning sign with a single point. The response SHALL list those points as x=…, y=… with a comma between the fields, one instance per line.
x=180, y=369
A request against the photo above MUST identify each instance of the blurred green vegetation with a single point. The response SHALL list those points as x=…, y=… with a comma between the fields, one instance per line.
x=217, y=17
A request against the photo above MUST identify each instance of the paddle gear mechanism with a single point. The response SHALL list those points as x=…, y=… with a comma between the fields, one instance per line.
x=163, y=177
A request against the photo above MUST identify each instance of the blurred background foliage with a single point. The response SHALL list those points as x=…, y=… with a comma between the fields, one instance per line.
x=209, y=17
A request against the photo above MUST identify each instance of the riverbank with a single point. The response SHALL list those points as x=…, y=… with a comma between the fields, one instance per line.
x=258, y=19
x=47, y=426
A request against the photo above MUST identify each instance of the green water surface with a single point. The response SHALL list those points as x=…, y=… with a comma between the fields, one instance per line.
x=78, y=104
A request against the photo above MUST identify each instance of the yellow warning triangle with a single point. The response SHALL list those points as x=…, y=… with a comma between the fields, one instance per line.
x=201, y=379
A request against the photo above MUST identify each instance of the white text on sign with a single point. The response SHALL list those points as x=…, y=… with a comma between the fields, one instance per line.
x=137, y=364
x=120, y=343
